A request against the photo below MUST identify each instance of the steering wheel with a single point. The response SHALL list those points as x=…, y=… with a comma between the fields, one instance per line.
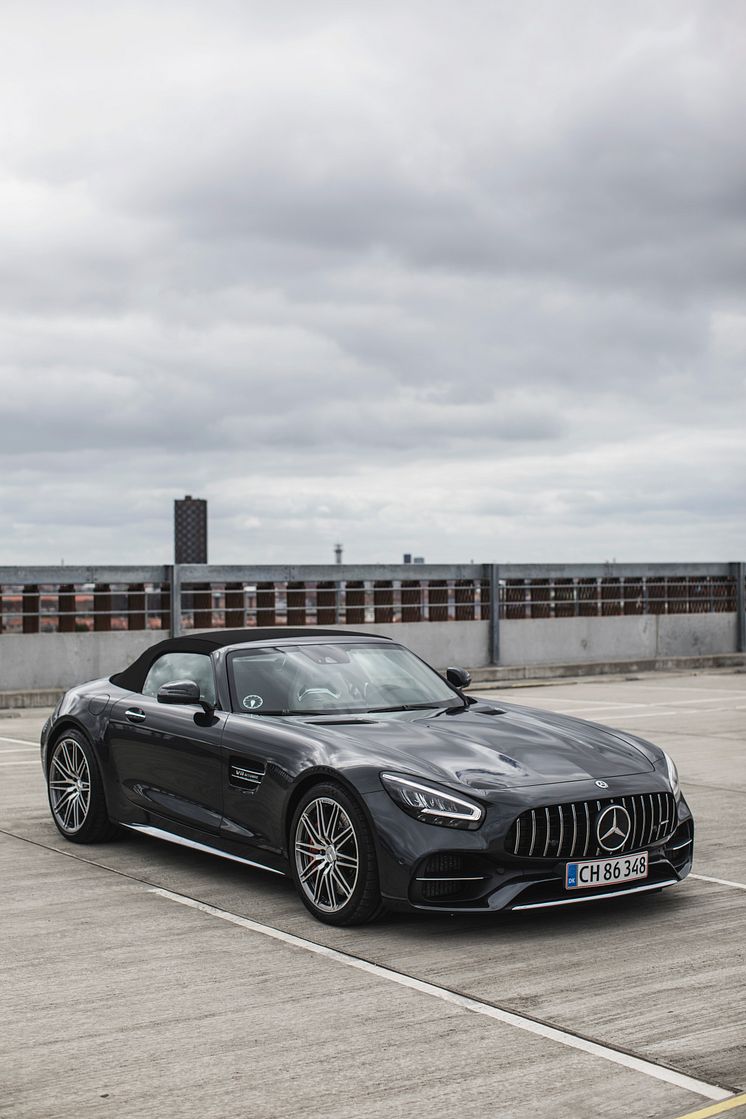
x=317, y=691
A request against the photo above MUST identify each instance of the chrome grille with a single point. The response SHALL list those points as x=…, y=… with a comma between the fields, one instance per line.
x=568, y=831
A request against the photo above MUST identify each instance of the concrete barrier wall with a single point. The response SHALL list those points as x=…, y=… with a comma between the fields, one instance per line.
x=59, y=660
x=581, y=640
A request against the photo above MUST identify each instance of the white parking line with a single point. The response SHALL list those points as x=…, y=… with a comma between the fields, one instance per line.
x=700, y=699
x=19, y=741
x=591, y=703
x=617, y=717
x=643, y=715
x=510, y=1018
x=689, y=688
x=719, y=881
x=577, y=705
x=663, y=703
x=621, y=713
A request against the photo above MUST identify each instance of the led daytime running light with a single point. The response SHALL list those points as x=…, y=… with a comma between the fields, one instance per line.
x=673, y=776
x=427, y=801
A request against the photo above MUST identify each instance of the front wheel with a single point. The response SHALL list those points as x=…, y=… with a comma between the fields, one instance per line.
x=333, y=858
x=76, y=793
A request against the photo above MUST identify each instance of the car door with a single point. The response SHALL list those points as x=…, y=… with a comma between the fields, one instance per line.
x=262, y=756
x=168, y=758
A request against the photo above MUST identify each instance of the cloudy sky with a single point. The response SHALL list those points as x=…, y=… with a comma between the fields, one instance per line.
x=465, y=280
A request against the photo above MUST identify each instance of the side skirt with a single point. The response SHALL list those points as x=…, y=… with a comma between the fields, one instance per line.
x=195, y=845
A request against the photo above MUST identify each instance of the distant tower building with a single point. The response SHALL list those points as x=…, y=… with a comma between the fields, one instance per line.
x=337, y=553
x=190, y=530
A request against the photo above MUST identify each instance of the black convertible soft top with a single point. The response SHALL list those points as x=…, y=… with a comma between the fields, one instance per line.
x=133, y=678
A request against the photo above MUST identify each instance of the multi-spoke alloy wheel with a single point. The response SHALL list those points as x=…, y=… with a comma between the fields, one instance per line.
x=326, y=855
x=333, y=857
x=69, y=785
x=76, y=795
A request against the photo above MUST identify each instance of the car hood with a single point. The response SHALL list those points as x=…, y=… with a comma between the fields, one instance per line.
x=491, y=749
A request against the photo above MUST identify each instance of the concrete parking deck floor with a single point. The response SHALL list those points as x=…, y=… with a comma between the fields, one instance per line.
x=121, y=1001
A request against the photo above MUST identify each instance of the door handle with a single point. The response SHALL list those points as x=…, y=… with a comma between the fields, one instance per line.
x=135, y=715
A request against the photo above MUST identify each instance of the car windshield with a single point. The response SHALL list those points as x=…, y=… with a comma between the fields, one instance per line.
x=334, y=679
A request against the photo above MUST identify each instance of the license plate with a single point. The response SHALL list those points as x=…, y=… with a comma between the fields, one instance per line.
x=606, y=872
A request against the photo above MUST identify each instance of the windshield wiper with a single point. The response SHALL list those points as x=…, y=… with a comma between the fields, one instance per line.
x=405, y=707
x=455, y=709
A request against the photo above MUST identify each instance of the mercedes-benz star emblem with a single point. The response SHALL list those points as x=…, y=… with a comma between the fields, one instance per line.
x=613, y=826
x=602, y=785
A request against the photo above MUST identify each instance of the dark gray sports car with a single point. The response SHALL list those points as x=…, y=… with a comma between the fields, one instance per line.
x=345, y=761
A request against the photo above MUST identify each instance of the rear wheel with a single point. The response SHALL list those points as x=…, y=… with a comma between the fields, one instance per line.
x=76, y=793
x=333, y=857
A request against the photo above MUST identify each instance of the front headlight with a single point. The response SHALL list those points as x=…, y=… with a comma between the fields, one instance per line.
x=432, y=806
x=673, y=776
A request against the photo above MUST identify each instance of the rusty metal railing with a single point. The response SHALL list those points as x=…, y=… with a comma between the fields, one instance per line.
x=197, y=597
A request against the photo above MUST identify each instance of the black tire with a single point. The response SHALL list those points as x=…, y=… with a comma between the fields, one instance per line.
x=323, y=894
x=76, y=792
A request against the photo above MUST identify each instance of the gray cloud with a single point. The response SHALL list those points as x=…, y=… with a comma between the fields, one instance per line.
x=465, y=283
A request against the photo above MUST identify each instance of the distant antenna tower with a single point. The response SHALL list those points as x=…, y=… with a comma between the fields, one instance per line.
x=337, y=553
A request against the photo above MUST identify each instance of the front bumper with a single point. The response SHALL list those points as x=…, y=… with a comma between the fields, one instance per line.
x=423, y=867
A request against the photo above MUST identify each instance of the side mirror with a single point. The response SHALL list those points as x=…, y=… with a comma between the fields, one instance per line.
x=179, y=691
x=184, y=692
x=459, y=677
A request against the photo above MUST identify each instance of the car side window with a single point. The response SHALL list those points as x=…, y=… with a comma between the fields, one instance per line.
x=181, y=666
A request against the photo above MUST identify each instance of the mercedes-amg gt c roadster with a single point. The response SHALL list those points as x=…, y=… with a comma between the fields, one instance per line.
x=344, y=761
